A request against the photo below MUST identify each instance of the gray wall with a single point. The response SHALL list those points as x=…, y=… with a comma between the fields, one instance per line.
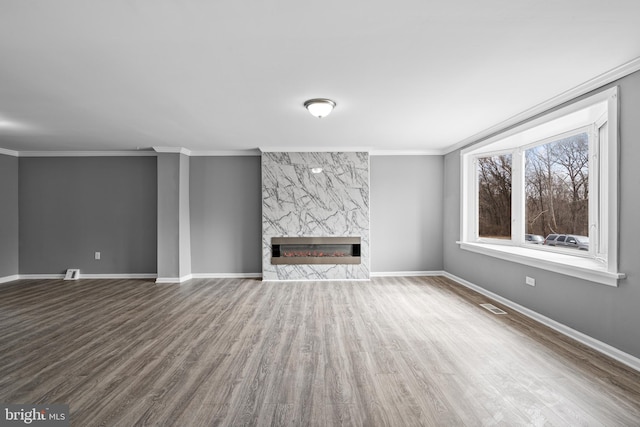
x=608, y=314
x=8, y=216
x=406, y=213
x=226, y=214
x=71, y=207
x=406, y=210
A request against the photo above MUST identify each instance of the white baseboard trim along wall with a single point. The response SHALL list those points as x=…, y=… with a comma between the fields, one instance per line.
x=81, y=276
x=622, y=357
x=606, y=349
x=9, y=278
x=407, y=273
x=227, y=275
x=208, y=276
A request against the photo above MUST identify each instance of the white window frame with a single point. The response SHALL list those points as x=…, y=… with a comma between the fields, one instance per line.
x=600, y=263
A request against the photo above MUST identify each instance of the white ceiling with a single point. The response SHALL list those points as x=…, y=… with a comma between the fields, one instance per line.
x=408, y=76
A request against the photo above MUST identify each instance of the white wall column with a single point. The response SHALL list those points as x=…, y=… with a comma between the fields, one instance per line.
x=174, y=229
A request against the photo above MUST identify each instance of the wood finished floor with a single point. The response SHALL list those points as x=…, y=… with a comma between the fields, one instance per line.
x=392, y=351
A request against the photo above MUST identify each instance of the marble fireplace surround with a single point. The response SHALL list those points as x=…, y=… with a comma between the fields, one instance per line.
x=299, y=203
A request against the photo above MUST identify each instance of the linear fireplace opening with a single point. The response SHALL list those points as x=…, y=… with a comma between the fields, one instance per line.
x=315, y=250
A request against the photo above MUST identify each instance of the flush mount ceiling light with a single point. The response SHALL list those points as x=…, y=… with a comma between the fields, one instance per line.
x=320, y=107
x=316, y=170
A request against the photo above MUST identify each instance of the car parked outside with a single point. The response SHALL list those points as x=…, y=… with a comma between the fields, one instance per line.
x=568, y=241
x=535, y=239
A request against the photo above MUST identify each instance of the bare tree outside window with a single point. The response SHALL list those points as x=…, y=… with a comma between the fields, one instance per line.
x=557, y=187
x=494, y=196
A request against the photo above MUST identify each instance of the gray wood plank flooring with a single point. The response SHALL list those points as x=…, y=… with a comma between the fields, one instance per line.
x=410, y=351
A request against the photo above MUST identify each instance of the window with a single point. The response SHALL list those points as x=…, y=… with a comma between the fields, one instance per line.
x=494, y=196
x=545, y=193
x=556, y=189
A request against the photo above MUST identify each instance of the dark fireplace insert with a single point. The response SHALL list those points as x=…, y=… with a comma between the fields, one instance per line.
x=315, y=250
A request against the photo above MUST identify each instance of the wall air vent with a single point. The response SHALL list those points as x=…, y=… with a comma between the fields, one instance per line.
x=72, y=274
x=492, y=308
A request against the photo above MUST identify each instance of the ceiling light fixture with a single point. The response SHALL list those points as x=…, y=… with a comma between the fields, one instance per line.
x=316, y=170
x=320, y=107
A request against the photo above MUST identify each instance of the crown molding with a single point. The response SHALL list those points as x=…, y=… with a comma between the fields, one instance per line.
x=217, y=153
x=405, y=153
x=322, y=149
x=222, y=153
x=9, y=152
x=86, y=154
x=571, y=94
x=175, y=150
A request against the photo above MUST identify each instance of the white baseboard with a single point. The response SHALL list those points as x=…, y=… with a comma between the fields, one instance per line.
x=89, y=276
x=226, y=275
x=619, y=355
x=208, y=276
x=407, y=273
x=40, y=276
x=173, y=279
x=136, y=276
x=7, y=279
x=119, y=276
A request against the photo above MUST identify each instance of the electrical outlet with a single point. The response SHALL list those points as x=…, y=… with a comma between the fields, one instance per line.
x=97, y=255
x=530, y=281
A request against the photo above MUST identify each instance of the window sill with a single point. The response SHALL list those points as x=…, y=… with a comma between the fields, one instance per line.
x=580, y=267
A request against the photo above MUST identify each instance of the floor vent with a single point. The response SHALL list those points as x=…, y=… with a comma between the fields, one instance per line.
x=72, y=274
x=492, y=308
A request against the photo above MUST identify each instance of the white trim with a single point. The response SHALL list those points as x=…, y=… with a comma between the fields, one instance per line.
x=322, y=149
x=609, y=96
x=383, y=152
x=174, y=279
x=216, y=153
x=89, y=276
x=176, y=150
x=571, y=265
x=9, y=152
x=119, y=276
x=87, y=154
x=40, y=276
x=606, y=349
x=571, y=94
x=8, y=279
x=226, y=275
x=407, y=273
x=223, y=153
x=210, y=276
x=137, y=276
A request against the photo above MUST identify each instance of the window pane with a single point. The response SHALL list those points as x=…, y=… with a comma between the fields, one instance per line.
x=494, y=197
x=557, y=189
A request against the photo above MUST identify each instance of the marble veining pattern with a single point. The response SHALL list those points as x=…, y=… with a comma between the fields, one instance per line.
x=297, y=202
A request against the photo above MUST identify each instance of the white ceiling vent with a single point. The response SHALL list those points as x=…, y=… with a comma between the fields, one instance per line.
x=492, y=308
